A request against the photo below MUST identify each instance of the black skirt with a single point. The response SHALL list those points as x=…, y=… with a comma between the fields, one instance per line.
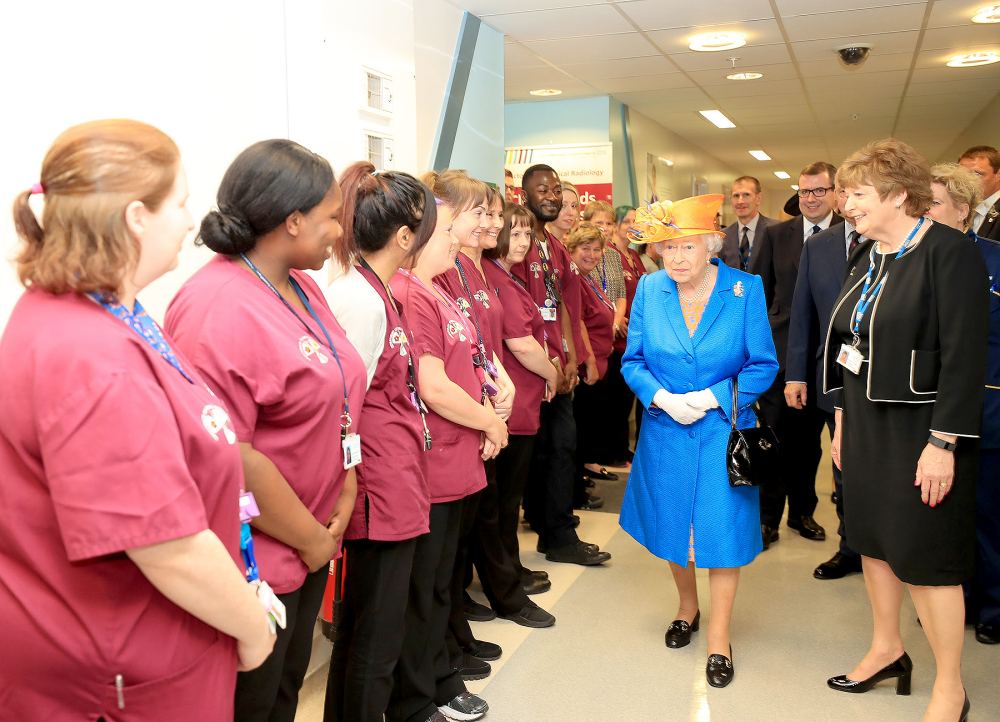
x=884, y=517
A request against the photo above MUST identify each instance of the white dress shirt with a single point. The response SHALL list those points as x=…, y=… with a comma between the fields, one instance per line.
x=982, y=209
x=807, y=226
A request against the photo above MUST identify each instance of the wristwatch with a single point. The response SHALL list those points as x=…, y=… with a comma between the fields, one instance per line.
x=941, y=443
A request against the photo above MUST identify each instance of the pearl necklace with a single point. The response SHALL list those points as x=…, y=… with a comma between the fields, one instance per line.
x=693, y=306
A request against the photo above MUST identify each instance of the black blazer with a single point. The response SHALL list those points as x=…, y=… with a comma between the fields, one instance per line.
x=929, y=330
x=730, y=253
x=991, y=224
x=775, y=259
x=821, y=277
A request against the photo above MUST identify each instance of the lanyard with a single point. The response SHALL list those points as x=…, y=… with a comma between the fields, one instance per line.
x=345, y=417
x=603, y=273
x=411, y=382
x=481, y=359
x=868, y=297
x=145, y=327
x=600, y=296
x=550, y=285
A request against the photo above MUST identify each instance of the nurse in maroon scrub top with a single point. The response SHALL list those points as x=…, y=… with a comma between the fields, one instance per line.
x=120, y=590
x=466, y=430
x=260, y=329
x=388, y=218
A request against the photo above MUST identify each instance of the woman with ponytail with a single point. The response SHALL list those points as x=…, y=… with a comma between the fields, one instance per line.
x=260, y=329
x=120, y=524
x=387, y=219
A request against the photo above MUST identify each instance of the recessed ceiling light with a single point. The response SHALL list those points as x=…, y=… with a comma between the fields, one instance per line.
x=794, y=187
x=759, y=154
x=988, y=14
x=973, y=60
x=781, y=174
x=545, y=91
x=717, y=119
x=745, y=76
x=713, y=42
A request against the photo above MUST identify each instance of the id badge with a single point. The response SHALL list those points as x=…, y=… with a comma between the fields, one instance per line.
x=850, y=358
x=272, y=605
x=548, y=314
x=352, y=450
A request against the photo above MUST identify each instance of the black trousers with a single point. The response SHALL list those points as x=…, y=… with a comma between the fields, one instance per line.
x=369, y=630
x=984, y=606
x=270, y=693
x=513, y=465
x=423, y=658
x=618, y=408
x=549, y=494
x=838, y=484
x=591, y=406
x=798, y=432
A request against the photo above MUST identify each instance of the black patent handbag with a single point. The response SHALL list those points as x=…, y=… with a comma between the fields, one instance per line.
x=751, y=454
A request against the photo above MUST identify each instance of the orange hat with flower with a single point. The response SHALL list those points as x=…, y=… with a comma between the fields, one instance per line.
x=668, y=220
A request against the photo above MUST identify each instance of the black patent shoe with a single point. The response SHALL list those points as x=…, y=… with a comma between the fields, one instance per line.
x=807, y=527
x=901, y=670
x=988, y=634
x=720, y=670
x=838, y=567
x=769, y=534
x=965, y=709
x=679, y=632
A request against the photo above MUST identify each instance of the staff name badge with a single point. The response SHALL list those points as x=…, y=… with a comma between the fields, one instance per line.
x=850, y=358
x=351, y=445
x=548, y=311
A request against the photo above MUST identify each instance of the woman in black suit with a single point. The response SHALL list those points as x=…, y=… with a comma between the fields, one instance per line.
x=907, y=349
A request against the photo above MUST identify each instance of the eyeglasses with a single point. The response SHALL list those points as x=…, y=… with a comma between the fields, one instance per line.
x=818, y=192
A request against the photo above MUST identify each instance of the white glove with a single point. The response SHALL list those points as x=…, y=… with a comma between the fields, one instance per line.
x=702, y=400
x=678, y=409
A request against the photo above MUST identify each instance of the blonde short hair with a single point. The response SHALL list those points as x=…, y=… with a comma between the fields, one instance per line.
x=567, y=186
x=962, y=185
x=595, y=207
x=583, y=232
x=892, y=167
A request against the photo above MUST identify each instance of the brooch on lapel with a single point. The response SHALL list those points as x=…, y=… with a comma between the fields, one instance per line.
x=992, y=214
x=738, y=289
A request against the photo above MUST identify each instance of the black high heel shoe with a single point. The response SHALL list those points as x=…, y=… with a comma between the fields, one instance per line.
x=901, y=670
x=679, y=632
x=965, y=709
x=720, y=670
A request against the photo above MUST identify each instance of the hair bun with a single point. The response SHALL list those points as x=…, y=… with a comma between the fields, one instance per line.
x=227, y=233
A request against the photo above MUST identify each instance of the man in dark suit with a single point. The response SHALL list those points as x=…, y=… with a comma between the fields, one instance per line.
x=776, y=261
x=822, y=267
x=984, y=161
x=742, y=236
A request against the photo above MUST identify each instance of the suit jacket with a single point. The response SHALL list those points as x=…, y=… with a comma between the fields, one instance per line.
x=991, y=224
x=929, y=330
x=991, y=409
x=730, y=253
x=775, y=259
x=822, y=267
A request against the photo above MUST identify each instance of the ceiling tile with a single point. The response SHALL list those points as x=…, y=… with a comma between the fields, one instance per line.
x=945, y=86
x=854, y=22
x=666, y=83
x=876, y=63
x=657, y=14
x=756, y=88
x=596, y=47
x=518, y=56
x=620, y=68
x=987, y=73
x=962, y=37
x=759, y=32
x=811, y=7
x=773, y=71
x=791, y=97
x=481, y=8
x=563, y=23
x=940, y=58
x=748, y=57
x=954, y=12
x=889, y=42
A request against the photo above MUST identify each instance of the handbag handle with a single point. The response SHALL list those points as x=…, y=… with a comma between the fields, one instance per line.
x=736, y=408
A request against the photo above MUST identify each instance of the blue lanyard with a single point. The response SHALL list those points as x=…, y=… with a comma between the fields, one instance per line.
x=246, y=551
x=604, y=273
x=600, y=296
x=345, y=418
x=867, y=298
x=144, y=326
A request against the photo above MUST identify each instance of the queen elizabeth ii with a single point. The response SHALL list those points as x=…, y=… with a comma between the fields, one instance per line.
x=696, y=327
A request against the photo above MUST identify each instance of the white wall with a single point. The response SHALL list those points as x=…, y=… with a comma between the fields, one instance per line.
x=216, y=75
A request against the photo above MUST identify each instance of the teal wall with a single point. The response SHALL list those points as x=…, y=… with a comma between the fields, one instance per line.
x=551, y=122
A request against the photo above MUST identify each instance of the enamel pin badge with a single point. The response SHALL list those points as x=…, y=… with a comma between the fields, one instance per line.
x=738, y=289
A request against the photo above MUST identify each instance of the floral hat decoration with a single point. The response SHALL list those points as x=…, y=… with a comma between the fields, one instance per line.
x=668, y=220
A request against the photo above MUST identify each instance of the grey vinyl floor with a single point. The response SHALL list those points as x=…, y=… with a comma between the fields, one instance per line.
x=605, y=659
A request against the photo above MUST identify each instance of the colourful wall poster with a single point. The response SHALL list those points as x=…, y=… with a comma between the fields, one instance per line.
x=587, y=166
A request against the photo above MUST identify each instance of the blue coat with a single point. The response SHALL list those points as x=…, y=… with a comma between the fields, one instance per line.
x=990, y=434
x=679, y=477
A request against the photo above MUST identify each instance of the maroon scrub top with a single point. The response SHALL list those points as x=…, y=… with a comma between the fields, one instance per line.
x=599, y=318
x=105, y=447
x=520, y=318
x=280, y=382
x=571, y=286
x=632, y=270
x=454, y=467
x=484, y=302
x=567, y=281
x=393, y=502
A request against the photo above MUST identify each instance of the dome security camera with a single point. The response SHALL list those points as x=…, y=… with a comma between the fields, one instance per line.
x=854, y=54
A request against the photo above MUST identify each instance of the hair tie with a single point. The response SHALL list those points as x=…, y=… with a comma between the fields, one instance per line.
x=37, y=188
x=438, y=201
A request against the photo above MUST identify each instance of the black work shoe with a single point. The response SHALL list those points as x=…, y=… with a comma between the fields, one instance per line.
x=769, y=534
x=679, y=632
x=808, y=528
x=589, y=503
x=473, y=668
x=988, y=634
x=529, y=574
x=531, y=615
x=436, y=717
x=535, y=586
x=581, y=553
x=464, y=707
x=486, y=651
x=576, y=521
x=719, y=669
x=476, y=612
x=838, y=567
x=541, y=547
